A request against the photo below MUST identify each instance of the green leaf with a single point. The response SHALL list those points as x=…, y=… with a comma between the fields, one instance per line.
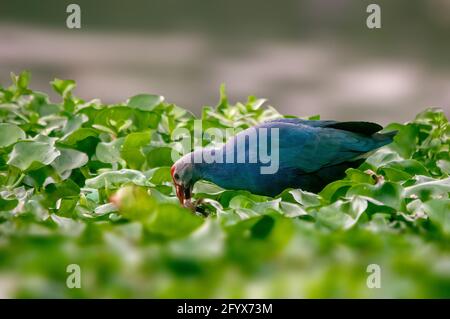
x=119, y=118
x=358, y=176
x=29, y=155
x=131, y=150
x=10, y=133
x=109, y=152
x=67, y=188
x=160, y=175
x=438, y=210
x=172, y=221
x=335, y=189
x=382, y=157
x=292, y=210
x=426, y=188
x=160, y=156
x=8, y=204
x=117, y=178
x=204, y=187
x=63, y=87
x=394, y=174
x=410, y=166
x=444, y=165
x=342, y=214
x=304, y=198
x=69, y=159
x=390, y=194
x=79, y=135
x=405, y=140
x=244, y=202
x=134, y=202
x=145, y=102
x=223, y=99
x=22, y=80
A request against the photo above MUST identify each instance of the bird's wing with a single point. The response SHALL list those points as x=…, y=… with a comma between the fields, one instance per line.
x=364, y=128
x=308, y=148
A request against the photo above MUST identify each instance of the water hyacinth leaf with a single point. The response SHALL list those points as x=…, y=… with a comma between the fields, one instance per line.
x=66, y=206
x=145, y=102
x=444, y=165
x=358, y=176
x=405, y=140
x=438, y=210
x=304, y=198
x=237, y=215
x=335, y=189
x=74, y=123
x=63, y=87
x=48, y=109
x=206, y=243
x=206, y=188
x=342, y=214
x=68, y=226
x=262, y=228
x=8, y=204
x=10, y=133
x=383, y=156
x=292, y=210
x=410, y=166
x=390, y=194
x=264, y=236
x=131, y=150
x=105, y=209
x=426, y=188
x=79, y=135
x=110, y=152
x=172, y=221
x=21, y=81
x=122, y=118
x=394, y=174
x=160, y=156
x=163, y=198
x=55, y=191
x=69, y=159
x=115, y=178
x=28, y=155
x=114, y=117
x=430, y=116
x=159, y=175
x=244, y=202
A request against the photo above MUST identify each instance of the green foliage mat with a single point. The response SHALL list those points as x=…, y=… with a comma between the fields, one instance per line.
x=60, y=163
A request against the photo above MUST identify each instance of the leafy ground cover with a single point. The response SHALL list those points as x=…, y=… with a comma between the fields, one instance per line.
x=61, y=163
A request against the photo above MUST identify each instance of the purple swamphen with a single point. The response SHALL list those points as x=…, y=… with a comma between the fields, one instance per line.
x=311, y=154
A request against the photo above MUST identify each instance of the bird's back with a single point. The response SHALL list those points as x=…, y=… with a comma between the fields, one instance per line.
x=311, y=154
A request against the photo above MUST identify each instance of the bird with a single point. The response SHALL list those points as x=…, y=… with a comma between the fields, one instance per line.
x=311, y=154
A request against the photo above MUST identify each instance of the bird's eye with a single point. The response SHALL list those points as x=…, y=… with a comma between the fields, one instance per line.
x=176, y=176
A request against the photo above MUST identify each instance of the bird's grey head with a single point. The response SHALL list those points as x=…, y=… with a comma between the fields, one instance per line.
x=183, y=176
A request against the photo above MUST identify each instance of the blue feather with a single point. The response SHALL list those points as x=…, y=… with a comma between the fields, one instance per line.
x=311, y=155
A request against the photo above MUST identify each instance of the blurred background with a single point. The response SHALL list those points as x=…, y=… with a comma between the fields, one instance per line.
x=306, y=57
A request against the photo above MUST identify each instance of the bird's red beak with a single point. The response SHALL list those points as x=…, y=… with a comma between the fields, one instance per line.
x=182, y=192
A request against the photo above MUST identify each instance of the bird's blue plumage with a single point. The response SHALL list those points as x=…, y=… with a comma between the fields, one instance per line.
x=311, y=155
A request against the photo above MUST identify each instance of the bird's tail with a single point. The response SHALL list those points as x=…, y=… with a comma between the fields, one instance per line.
x=384, y=138
x=380, y=139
